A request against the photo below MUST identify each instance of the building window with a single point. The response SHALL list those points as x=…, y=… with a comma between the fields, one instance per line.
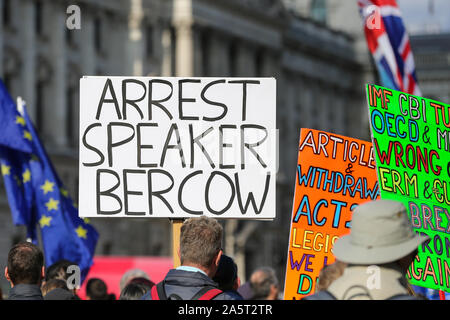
x=232, y=56
x=98, y=34
x=7, y=77
x=318, y=11
x=149, y=41
x=70, y=127
x=69, y=36
x=173, y=50
x=38, y=17
x=39, y=105
x=259, y=63
x=6, y=13
x=205, y=49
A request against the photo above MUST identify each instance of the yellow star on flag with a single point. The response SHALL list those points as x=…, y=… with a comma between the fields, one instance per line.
x=47, y=187
x=64, y=192
x=20, y=120
x=86, y=220
x=5, y=169
x=52, y=204
x=45, y=221
x=27, y=135
x=26, y=176
x=81, y=232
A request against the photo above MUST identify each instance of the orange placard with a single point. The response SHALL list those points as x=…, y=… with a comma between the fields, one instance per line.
x=334, y=174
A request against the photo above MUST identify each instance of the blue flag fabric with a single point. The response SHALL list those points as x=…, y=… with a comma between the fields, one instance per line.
x=37, y=197
x=13, y=133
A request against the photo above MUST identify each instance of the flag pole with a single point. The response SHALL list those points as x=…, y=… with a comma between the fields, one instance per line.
x=176, y=231
x=20, y=104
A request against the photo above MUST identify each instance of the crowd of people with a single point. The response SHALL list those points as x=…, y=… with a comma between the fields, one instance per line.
x=381, y=236
x=203, y=271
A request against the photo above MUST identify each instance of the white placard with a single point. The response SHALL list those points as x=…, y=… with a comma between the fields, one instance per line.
x=177, y=147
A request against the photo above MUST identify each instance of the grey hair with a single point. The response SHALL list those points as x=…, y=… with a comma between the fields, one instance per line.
x=200, y=240
x=261, y=281
x=130, y=275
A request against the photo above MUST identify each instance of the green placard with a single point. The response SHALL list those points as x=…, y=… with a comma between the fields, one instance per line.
x=411, y=142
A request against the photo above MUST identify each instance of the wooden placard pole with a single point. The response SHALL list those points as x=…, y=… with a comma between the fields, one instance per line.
x=176, y=230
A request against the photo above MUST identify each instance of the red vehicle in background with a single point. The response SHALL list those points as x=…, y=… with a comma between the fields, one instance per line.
x=111, y=269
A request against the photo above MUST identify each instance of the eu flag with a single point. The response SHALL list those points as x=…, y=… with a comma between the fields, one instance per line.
x=37, y=196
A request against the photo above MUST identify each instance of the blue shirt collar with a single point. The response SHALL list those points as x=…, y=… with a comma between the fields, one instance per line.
x=191, y=269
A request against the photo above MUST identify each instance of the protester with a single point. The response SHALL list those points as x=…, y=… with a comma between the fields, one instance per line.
x=146, y=283
x=378, y=251
x=329, y=273
x=56, y=289
x=53, y=284
x=200, y=253
x=96, y=289
x=25, y=271
x=227, y=277
x=60, y=294
x=59, y=270
x=264, y=284
x=246, y=291
x=133, y=291
x=130, y=275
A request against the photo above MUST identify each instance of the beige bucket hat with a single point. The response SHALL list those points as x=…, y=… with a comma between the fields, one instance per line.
x=380, y=233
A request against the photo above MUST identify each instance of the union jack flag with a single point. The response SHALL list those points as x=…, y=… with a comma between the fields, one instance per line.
x=389, y=44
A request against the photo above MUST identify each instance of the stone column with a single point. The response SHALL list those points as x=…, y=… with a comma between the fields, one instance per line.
x=28, y=52
x=135, y=46
x=184, y=55
x=183, y=23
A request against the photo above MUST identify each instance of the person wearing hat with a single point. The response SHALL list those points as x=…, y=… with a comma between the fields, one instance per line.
x=378, y=251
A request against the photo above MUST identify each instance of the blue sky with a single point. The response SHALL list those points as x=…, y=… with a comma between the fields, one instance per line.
x=418, y=19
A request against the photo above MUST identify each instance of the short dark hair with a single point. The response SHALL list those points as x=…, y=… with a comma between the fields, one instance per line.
x=96, y=289
x=53, y=284
x=226, y=273
x=133, y=291
x=58, y=270
x=25, y=262
x=146, y=283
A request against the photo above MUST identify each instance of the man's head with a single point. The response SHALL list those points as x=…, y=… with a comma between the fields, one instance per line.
x=53, y=284
x=381, y=232
x=58, y=270
x=25, y=264
x=96, y=290
x=201, y=243
x=130, y=275
x=227, y=274
x=264, y=284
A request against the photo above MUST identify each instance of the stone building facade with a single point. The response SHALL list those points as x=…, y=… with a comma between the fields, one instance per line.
x=320, y=72
x=432, y=58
